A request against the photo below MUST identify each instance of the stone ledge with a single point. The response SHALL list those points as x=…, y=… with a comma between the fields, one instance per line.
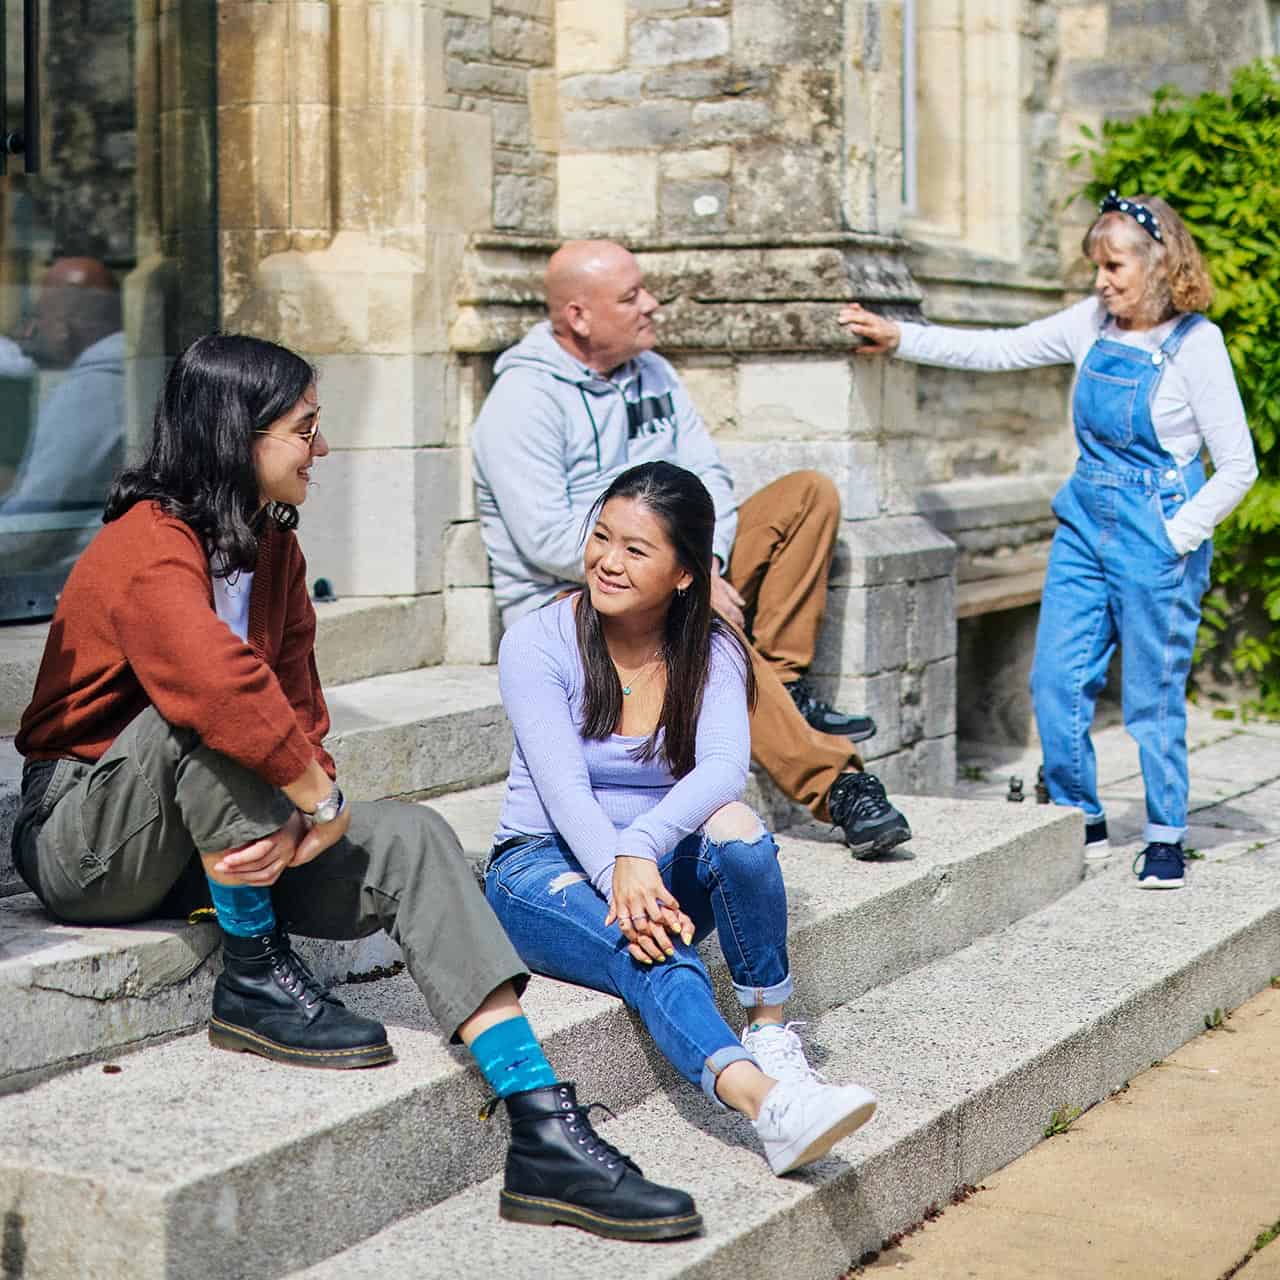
x=739, y=294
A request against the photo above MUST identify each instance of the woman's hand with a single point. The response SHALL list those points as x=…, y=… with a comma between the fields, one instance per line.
x=262, y=862
x=880, y=336
x=646, y=911
x=319, y=838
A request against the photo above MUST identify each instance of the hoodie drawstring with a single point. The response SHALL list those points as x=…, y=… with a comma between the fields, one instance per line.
x=595, y=431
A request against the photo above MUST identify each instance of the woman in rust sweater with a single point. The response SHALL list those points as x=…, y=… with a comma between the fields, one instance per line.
x=174, y=754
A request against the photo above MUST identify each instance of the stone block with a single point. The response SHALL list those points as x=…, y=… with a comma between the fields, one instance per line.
x=459, y=170
x=252, y=48
x=362, y=637
x=466, y=563
x=802, y=398
x=878, y=696
x=905, y=468
x=712, y=386
x=939, y=698
x=891, y=549
x=850, y=464
x=778, y=33
x=544, y=110
x=591, y=35
x=525, y=204
x=646, y=125
x=692, y=166
x=472, y=627
x=1082, y=33
x=375, y=523
x=485, y=79
x=697, y=207
x=467, y=37
x=522, y=39
x=784, y=185
x=931, y=623
x=253, y=169
x=736, y=120
x=933, y=765
x=600, y=195
x=864, y=631
x=660, y=42
x=511, y=124
x=617, y=86
x=386, y=402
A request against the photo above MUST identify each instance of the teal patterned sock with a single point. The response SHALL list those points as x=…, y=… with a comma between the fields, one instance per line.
x=511, y=1058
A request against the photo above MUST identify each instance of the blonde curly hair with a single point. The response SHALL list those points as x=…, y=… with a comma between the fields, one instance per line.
x=1176, y=278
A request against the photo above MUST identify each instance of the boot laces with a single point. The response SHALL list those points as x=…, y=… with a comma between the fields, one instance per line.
x=858, y=795
x=293, y=975
x=578, y=1121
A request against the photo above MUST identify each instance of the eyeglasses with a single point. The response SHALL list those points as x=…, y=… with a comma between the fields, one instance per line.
x=302, y=437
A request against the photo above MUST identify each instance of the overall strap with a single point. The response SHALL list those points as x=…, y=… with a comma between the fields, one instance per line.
x=1175, y=340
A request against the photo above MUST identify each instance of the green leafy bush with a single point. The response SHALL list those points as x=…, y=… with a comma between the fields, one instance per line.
x=1216, y=159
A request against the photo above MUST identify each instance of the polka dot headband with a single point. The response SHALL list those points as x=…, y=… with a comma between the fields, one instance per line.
x=1138, y=212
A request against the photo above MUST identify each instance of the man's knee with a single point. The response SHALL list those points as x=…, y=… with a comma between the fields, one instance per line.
x=820, y=491
x=733, y=822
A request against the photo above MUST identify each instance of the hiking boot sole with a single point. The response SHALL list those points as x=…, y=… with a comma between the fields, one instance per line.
x=880, y=842
x=515, y=1207
x=222, y=1035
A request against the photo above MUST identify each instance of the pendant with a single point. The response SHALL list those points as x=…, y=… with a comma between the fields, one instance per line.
x=626, y=690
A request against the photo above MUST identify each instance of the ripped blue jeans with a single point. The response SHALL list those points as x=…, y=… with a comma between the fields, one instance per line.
x=555, y=917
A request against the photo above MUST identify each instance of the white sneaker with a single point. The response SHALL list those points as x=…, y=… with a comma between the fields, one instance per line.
x=801, y=1120
x=778, y=1052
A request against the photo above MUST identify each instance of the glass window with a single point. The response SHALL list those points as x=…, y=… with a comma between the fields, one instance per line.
x=103, y=274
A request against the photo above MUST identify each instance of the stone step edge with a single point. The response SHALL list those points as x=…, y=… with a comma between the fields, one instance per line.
x=883, y=1179
x=627, y=1071
x=356, y=637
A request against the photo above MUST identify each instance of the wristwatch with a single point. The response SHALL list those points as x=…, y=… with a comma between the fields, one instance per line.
x=329, y=808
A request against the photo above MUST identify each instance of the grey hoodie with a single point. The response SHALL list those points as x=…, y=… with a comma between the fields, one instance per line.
x=551, y=437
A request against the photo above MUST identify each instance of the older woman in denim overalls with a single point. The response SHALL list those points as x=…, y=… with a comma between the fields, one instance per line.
x=1130, y=559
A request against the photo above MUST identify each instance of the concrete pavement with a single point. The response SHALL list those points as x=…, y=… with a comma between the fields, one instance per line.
x=1177, y=1175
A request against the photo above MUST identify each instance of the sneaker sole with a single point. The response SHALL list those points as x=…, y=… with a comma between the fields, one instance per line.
x=1099, y=851
x=222, y=1035
x=815, y=1144
x=515, y=1207
x=1153, y=883
x=880, y=843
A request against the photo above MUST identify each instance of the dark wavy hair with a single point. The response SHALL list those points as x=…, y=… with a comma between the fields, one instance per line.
x=199, y=467
x=683, y=507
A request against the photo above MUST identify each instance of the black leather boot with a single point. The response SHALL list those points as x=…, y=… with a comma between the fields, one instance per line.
x=267, y=1001
x=560, y=1170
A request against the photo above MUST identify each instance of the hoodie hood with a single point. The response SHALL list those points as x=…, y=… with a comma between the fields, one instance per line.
x=539, y=351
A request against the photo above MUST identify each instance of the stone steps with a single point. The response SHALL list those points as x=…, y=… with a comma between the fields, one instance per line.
x=970, y=1055
x=187, y=1162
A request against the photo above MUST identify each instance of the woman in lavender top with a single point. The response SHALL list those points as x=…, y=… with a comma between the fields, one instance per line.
x=622, y=842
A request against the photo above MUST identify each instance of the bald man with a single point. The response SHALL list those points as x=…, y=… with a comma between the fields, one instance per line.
x=78, y=440
x=579, y=400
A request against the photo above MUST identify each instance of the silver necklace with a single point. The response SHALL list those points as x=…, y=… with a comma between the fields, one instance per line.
x=636, y=674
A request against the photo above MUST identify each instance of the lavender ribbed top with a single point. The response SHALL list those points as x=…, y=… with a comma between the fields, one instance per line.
x=601, y=801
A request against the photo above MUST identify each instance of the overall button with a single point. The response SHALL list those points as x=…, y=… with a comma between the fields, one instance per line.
x=1170, y=474
x=1157, y=357
x=1177, y=497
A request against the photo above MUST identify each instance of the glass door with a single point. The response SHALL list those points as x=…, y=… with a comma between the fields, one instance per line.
x=107, y=257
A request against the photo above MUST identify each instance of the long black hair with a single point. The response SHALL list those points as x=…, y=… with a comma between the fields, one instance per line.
x=199, y=467
x=683, y=507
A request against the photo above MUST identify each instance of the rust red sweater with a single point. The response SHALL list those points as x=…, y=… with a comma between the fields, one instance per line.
x=136, y=626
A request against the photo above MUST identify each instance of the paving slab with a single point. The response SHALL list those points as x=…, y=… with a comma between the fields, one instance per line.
x=187, y=1161
x=1096, y=1200
x=970, y=1056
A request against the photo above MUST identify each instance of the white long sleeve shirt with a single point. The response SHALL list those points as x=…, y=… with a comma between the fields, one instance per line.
x=1197, y=403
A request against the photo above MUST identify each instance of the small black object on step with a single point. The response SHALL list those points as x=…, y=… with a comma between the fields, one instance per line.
x=1015, y=794
x=1042, y=791
x=322, y=592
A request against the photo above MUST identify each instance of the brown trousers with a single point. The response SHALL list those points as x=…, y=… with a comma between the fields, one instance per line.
x=780, y=564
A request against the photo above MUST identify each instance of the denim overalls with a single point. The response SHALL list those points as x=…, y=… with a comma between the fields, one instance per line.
x=1114, y=576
